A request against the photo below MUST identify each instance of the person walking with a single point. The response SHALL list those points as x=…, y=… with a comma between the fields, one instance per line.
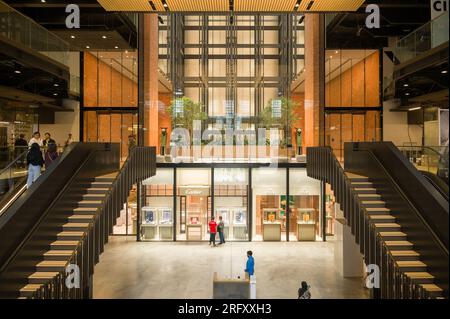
x=212, y=231
x=68, y=141
x=303, y=291
x=220, y=230
x=36, y=139
x=250, y=265
x=51, y=154
x=35, y=162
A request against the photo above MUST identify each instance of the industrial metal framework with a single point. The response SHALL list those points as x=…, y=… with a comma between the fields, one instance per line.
x=208, y=53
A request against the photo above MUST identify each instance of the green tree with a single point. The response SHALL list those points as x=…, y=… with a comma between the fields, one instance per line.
x=183, y=111
x=283, y=120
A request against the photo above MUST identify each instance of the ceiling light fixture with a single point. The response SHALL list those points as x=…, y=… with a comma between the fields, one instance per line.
x=55, y=94
x=72, y=37
x=88, y=47
x=56, y=85
x=407, y=94
x=444, y=71
x=17, y=71
x=406, y=85
x=104, y=36
x=116, y=47
x=414, y=108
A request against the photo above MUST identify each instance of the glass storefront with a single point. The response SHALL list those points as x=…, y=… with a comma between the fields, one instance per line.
x=156, y=218
x=193, y=201
x=304, y=203
x=254, y=204
x=269, y=208
x=231, y=201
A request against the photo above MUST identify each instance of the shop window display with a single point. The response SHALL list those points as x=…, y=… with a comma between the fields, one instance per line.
x=157, y=215
x=304, y=206
x=231, y=201
x=193, y=203
x=269, y=204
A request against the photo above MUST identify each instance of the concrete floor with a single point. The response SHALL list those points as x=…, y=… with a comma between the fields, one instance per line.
x=182, y=270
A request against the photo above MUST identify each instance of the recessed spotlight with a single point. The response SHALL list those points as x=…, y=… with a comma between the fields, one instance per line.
x=43, y=1
x=116, y=47
x=336, y=51
x=72, y=37
x=17, y=71
x=407, y=94
x=444, y=71
x=56, y=85
x=104, y=36
x=55, y=94
x=406, y=85
x=165, y=5
x=88, y=47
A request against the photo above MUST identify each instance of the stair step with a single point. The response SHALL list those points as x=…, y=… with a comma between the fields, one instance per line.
x=29, y=289
x=65, y=226
x=95, y=190
x=392, y=235
x=64, y=244
x=57, y=254
x=373, y=203
x=433, y=290
x=41, y=277
x=357, y=178
x=89, y=203
x=365, y=190
x=85, y=210
x=399, y=244
x=382, y=218
x=51, y=265
x=387, y=226
x=80, y=218
x=411, y=265
x=369, y=197
x=356, y=184
x=403, y=255
x=378, y=210
x=420, y=277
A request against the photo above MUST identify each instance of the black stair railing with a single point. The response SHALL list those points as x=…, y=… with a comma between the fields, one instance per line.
x=324, y=166
x=140, y=165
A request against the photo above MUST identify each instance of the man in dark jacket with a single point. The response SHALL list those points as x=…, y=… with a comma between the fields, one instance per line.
x=35, y=162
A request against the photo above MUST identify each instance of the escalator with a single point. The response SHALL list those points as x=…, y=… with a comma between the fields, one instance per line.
x=13, y=180
x=399, y=219
x=58, y=227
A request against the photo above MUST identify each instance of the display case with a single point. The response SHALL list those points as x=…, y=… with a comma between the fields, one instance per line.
x=271, y=225
x=148, y=223
x=240, y=223
x=194, y=228
x=165, y=223
x=306, y=224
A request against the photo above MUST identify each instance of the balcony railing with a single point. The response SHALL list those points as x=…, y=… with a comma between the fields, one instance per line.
x=16, y=27
x=425, y=38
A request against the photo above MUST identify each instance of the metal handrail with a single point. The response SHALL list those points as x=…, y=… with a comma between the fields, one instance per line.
x=31, y=232
x=12, y=162
x=408, y=201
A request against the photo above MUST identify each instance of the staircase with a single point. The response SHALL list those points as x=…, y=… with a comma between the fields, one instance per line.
x=406, y=260
x=70, y=237
x=412, y=261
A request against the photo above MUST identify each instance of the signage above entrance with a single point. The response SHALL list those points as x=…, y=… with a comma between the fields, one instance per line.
x=231, y=5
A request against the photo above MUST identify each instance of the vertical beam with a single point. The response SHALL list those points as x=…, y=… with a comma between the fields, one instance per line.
x=150, y=69
x=250, y=204
x=288, y=215
x=175, y=204
x=314, y=79
x=141, y=71
x=323, y=210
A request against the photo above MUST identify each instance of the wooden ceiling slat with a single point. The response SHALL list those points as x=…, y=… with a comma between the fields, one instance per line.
x=239, y=5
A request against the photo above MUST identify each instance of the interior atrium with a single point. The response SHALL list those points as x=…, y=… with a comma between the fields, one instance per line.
x=310, y=136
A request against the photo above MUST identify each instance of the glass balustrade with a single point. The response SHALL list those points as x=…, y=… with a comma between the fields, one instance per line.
x=425, y=38
x=16, y=27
